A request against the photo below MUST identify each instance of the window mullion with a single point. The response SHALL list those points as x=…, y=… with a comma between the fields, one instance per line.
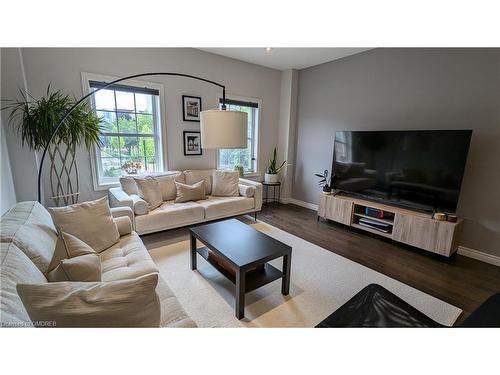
x=118, y=129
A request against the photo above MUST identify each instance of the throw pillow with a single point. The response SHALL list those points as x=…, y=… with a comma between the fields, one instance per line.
x=122, y=303
x=68, y=246
x=128, y=185
x=167, y=185
x=194, y=176
x=149, y=190
x=82, y=268
x=91, y=222
x=247, y=191
x=226, y=184
x=186, y=193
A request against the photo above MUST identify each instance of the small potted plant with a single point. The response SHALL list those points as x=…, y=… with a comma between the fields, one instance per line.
x=327, y=189
x=240, y=170
x=271, y=175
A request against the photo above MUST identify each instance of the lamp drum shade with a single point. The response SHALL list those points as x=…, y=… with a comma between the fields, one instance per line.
x=223, y=129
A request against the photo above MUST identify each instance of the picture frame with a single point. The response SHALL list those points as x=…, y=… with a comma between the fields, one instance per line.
x=191, y=108
x=192, y=143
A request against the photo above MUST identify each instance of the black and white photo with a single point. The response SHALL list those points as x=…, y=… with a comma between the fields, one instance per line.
x=191, y=108
x=192, y=143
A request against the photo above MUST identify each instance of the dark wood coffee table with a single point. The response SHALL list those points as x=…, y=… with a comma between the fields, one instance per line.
x=247, y=252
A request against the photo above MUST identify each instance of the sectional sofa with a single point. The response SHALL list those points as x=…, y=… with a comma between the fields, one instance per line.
x=28, y=240
x=172, y=215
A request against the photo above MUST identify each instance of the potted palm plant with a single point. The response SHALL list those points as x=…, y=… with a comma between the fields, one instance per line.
x=271, y=175
x=36, y=119
x=327, y=189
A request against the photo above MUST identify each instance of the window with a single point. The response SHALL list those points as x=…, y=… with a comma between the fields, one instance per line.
x=247, y=158
x=130, y=131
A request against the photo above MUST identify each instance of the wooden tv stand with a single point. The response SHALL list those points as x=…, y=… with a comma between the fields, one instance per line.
x=409, y=227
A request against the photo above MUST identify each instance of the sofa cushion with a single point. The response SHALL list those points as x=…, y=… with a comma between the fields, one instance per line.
x=126, y=259
x=186, y=193
x=169, y=215
x=226, y=184
x=81, y=268
x=29, y=226
x=149, y=190
x=128, y=185
x=194, y=176
x=91, y=222
x=122, y=303
x=216, y=207
x=167, y=184
x=16, y=268
x=172, y=313
x=68, y=246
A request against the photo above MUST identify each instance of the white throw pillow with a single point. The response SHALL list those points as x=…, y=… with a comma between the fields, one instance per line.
x=167, y=185
x=247, y=191
x=149, y=190
x=81, y=268
x=128, y=185
x=226, y=184
x=186, y=193
x=68, y=246
x=122, y=303
x=90, y=222
x=194, y=176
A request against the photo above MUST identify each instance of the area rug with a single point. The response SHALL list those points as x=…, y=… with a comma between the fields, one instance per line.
x=321, y=281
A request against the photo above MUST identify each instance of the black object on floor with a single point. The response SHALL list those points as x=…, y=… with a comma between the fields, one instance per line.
x=374, y=306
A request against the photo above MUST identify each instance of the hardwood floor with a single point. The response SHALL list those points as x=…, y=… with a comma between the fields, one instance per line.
x=460, y=281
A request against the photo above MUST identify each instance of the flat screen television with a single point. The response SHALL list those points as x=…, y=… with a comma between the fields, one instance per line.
x=420, y=169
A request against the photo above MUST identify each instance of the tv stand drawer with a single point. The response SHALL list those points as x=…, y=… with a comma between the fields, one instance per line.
x=339, y=210
x=439, y=237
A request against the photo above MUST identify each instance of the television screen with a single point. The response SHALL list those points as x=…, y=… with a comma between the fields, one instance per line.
x=421, y=169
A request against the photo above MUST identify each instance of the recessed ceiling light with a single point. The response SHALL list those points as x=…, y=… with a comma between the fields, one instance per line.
x=268, y=49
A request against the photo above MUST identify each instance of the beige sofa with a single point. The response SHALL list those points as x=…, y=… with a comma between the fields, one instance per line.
x=173, y=215
x=28, y=239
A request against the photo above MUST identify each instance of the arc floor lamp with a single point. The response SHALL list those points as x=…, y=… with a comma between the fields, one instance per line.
x=219, y=128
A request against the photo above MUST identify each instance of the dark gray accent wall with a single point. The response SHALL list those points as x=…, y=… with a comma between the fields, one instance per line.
x=401, y=88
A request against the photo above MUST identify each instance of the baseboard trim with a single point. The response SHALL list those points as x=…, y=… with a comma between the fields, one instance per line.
x=311, y=206
x=479, y=255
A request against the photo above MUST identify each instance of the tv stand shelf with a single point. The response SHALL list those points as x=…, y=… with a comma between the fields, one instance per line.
x=403, y=225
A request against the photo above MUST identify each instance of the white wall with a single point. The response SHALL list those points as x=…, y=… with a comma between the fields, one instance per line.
x=287, y=129
x=8, y=194
x=62, y=67
x=22, y=160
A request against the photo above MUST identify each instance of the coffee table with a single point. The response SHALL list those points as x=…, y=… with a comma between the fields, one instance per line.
x=247, y=252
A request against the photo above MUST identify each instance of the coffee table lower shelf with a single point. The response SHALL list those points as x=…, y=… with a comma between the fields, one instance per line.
x=253, y=280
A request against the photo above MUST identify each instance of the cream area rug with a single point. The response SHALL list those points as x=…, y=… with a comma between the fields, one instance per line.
x=321, y=281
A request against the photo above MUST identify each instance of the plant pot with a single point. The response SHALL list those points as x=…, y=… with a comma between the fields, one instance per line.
x=271, y=178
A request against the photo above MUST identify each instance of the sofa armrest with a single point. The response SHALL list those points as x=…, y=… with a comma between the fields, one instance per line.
x=140, y=206
x=258, y=191
x=118, y=198
x=124, y=225
x=123, y=211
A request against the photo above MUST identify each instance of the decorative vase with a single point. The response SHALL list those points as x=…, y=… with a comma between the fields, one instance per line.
x=271, y=178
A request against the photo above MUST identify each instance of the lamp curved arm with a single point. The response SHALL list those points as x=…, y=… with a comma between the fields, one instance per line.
x=104, y=87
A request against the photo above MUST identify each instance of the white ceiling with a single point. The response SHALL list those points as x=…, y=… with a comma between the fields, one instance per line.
x=286, y=58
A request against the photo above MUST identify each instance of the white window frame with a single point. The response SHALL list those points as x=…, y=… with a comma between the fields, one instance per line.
x=161, y=141
x=259, y=127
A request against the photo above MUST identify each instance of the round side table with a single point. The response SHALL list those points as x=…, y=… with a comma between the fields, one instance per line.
x=275, y=199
